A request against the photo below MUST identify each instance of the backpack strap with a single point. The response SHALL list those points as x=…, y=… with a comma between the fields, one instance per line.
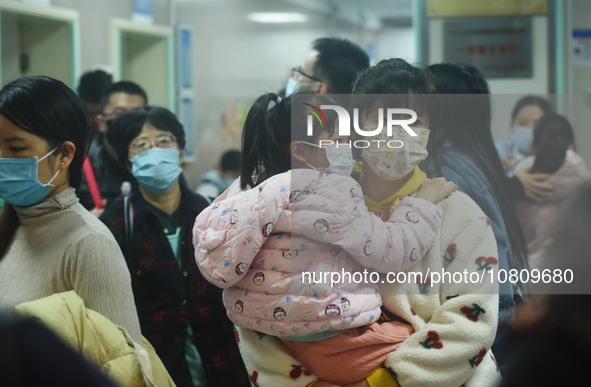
x=128, y=216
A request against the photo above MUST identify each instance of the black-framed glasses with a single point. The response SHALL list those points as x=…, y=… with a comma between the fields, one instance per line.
x=301, y=72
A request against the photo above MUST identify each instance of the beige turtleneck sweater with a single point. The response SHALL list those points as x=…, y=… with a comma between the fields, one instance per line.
x=59, y=246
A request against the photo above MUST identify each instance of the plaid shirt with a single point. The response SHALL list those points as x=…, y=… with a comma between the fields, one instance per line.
x=167, y=299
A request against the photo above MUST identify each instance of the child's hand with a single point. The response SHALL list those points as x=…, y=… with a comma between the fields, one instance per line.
x=435, y=190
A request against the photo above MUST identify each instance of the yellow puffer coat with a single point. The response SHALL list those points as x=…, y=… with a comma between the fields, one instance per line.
x=100, y=340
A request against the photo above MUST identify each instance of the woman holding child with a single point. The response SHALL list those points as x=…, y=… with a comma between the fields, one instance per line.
x=451, y=326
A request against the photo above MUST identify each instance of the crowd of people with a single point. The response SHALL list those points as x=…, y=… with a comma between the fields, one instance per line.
x=157, y=283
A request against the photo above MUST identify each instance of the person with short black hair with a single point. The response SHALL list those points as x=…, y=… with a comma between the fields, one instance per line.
x=108, y=174
x=90, y=89
x=217, y=180
x=330, y=68
x=231, y=161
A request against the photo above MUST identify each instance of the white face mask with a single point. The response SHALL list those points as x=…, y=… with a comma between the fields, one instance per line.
x=394, y=164
x=340, y=159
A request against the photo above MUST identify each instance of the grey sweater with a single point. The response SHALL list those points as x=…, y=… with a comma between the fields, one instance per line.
x=59, y=246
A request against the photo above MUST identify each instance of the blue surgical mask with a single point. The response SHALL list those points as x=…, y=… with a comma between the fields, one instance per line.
x=156, y=169
x=291, y=87
x=523, y=138
x=19, y=181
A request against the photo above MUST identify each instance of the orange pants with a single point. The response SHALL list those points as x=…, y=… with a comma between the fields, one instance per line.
x=351, y=356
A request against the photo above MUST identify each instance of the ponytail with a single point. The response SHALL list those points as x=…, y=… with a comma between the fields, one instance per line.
x=553, y=135
x=268, y=132
x=265, y=140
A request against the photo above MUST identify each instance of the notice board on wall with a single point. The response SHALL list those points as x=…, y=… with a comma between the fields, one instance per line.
x=142, y=11
x=581, y=48
x=477, y=8
x=499, y=47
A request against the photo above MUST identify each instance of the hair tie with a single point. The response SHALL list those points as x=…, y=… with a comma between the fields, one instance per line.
x=278, y=100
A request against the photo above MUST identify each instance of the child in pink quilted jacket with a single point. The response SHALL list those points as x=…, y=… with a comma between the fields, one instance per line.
x=291, y=238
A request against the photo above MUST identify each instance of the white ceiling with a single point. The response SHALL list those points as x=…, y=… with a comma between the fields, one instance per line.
x=371, y=14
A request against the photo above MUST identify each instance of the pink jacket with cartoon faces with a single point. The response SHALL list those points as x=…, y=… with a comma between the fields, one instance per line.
x=258, y=243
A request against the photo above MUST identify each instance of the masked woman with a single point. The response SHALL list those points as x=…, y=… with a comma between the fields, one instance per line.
x=48, y=242
x=180, y=313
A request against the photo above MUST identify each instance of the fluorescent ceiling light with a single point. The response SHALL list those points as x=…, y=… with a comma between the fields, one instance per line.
x=277, y=17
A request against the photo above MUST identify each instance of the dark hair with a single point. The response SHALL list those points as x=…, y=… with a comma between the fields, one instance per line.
x=230, y=161
x=540, y=102
x=465, y=121
x=48, y=109
x=127, y=127
x=268, y=132
x=404, y=82
x=553, y=135
x=339, y=61
x=126, y=87
x=405, y=86
x=92, y=84
x=467, y=127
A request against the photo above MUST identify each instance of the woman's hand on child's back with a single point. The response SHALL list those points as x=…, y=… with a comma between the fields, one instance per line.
x=535, y=185
x=437, y=189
